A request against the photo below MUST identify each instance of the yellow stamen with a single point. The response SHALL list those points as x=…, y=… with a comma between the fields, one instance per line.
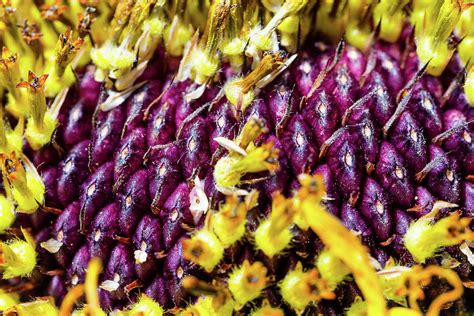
x=344, y=245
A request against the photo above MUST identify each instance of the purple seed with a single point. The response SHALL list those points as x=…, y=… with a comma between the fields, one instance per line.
x=102, y=232
x=393, y=176
x=377, y=209
x=147, y=245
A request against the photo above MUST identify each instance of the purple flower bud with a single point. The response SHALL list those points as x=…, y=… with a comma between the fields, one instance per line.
x=345, y=161
x=147, y=246
x=176, y=216
x=469, y=198
x=175, y=269
x=119, y=272
x=304, y=242
x=329, y=183
x=278, y=181
x=45, y=156
x=161, y=127
x=183, y=108
x=72, y=172
x=443, y=175
x=164, y=178
x=368, y=137
x=102, y=232
x=408, y=138
x=78, y=124
x=381, y=104
x=380, y=255
x=299, y=145
x=106, y=136
x=423, y=202
x=305, y=72
x=134, y=201
x=389, y=68
x=345, y=89
x=97, y=191
x=196, y=152
x=353, y=220
x=259, y=109
x=129, y=156
x=138, y=103
x=322, y=115
x=426, y=109
x=77, y=269
x=66, y=231
x=57, y=288
x=402, y=222
x=223, y=123
x=281, y=99
x=157, y=291
x=89, y=88
x=393, y=176
x=377, y=209
x=354, y=60
x=49, y=177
